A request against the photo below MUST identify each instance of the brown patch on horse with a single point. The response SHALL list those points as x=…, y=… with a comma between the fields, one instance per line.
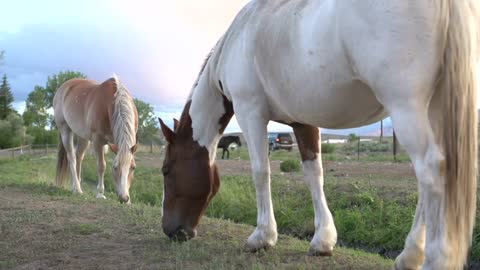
x=190, y=181
x=308, y=138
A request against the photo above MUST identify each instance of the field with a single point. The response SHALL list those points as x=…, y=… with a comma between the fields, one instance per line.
x=46, y=227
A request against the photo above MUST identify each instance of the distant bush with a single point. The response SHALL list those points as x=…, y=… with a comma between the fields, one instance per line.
x=43, y=136
x=328, y=148
x=12, y=131
x=290, y=165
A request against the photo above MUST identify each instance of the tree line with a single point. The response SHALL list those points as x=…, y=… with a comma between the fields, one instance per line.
x=37, y=126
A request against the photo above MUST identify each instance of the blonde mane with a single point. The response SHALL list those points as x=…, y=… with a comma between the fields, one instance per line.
x=123, y=120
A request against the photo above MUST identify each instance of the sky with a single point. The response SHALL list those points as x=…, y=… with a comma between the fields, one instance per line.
x=156, y=47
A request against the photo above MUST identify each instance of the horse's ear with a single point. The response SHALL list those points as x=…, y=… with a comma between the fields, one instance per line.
x=167, y=132
x=175, y=124
x=134, y=149
x=113, y=148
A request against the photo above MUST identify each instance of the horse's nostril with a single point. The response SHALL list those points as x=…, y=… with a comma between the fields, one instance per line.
x=181, y=234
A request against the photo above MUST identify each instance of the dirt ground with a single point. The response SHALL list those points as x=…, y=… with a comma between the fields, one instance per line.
x=43, y=232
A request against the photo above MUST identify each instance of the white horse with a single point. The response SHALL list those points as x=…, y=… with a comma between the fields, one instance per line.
x=339, y=64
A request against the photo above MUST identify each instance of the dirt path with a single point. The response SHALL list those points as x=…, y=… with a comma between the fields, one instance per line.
x=73, y=232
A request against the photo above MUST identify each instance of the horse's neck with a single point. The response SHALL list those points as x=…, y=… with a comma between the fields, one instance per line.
x=210, y=113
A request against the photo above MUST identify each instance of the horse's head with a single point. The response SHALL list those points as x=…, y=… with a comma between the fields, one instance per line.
x=190, y=182
x=237, y=141
x=123, y=170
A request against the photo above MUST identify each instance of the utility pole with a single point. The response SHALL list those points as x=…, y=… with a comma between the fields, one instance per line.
x=381, y=130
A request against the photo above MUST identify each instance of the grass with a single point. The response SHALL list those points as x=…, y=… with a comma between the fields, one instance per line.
x=364, y=215
x=346, y=152
x=43, y=226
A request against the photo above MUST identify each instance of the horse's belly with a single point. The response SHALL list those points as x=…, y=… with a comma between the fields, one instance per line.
x=347, y=106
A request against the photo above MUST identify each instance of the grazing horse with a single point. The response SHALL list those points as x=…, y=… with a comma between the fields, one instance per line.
x=339, y=64
x=104, y=114
x=225, y=142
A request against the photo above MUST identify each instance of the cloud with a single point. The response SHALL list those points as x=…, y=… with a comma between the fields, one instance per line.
x=155, y=47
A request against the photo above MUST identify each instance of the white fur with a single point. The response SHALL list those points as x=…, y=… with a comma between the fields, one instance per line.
x=325, y=233
x=334, y=64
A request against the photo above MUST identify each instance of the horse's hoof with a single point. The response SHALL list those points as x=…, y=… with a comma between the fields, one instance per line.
x=313, y=252
x=101, y=196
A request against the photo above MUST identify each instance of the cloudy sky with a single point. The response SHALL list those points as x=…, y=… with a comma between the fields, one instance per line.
x=156, y=47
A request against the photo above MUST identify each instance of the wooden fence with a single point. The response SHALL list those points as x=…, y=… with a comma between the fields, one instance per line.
x=28, y=149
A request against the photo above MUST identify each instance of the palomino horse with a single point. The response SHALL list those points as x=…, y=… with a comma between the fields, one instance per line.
x=104, y=114
x=225, y=142
x=339, y=64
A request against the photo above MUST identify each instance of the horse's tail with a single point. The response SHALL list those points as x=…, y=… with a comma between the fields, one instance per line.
x=457, y=87
x=62, y=163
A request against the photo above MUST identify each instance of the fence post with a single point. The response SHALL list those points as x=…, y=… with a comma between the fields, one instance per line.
x=358, y=149
x=151, y=147
x=381, y=130
x=46, y=148
x=394, y=146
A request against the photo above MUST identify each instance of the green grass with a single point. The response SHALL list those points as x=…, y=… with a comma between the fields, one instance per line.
x=343, y=152
x=364, y=215
x=290, y=165
x=48, y=227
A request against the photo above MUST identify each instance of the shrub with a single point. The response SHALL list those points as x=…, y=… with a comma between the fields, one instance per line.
x=328, y=148
x=12, y=131
x=43, y=136
x=290, y=165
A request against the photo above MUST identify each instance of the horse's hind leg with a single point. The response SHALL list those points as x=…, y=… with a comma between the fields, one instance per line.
x=309, y=143
x=414, y=131
x=67, y=139
x=101, y=164
x=82, y=145
x=413, y=253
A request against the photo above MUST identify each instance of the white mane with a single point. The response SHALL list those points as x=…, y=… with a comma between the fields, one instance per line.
x=123, y=120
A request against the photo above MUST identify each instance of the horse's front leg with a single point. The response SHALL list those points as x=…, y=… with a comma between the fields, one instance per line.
x=101, y=164
x=254, y=127
x=309, y=144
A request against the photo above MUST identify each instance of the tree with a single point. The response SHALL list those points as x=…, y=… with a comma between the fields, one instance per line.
x=6, y=98
x=36, y=114
x=56, y=80
x=352, y=137
x=12, y=131
x=147, y=122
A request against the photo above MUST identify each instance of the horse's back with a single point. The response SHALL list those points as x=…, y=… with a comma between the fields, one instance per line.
x=321, y=61
x=85, y=106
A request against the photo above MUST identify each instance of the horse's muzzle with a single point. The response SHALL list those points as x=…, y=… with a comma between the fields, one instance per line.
x=180, y=234
x=124, y=198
